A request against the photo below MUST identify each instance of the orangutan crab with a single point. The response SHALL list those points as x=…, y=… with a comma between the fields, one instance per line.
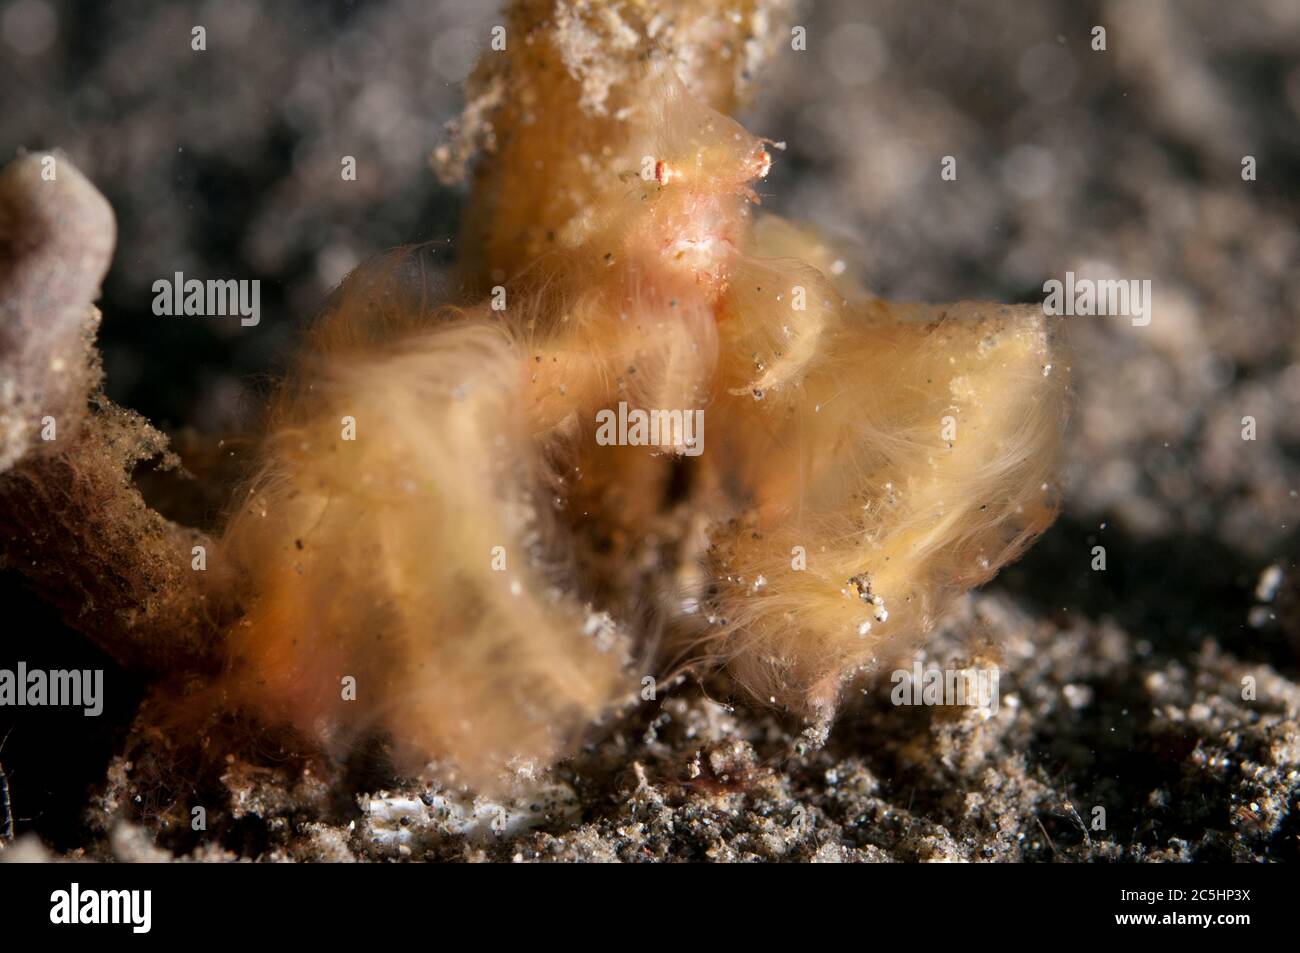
x=439, y=542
